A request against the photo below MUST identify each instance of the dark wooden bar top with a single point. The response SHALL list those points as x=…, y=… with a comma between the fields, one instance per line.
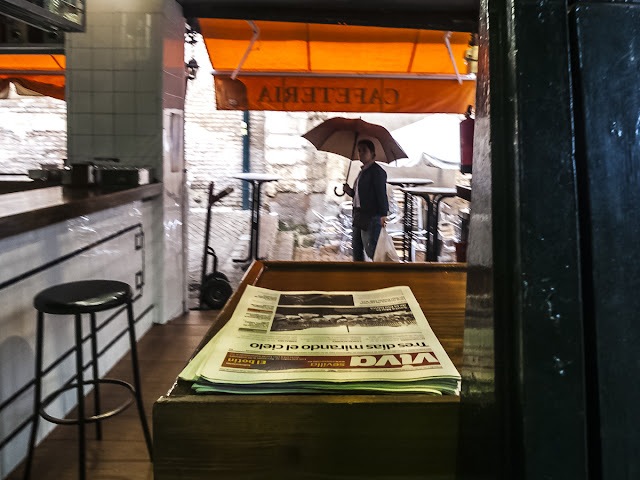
x=25, y=211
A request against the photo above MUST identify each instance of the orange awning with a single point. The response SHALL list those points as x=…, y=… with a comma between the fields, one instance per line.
x=42, y=74
x=301, y=66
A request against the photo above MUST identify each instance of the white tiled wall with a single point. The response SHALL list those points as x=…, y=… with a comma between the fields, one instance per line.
x=123, y=74
x=115, y=81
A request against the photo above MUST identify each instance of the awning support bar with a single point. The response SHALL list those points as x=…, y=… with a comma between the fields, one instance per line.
x=254, y=37
x=31, y=72
x=396, y=76
x=447, y=36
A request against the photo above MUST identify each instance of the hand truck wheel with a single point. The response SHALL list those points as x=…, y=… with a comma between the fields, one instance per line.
x=219, y=275
x=215, y=291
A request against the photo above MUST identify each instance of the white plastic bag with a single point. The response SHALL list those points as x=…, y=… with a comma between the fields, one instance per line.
x=385, y=251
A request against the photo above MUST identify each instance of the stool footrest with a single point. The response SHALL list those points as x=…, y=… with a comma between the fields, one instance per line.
x=94, y=418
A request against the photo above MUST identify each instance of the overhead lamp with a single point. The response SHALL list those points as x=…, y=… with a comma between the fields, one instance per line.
x=190, y=38
x=192, y=68
x=471, y=55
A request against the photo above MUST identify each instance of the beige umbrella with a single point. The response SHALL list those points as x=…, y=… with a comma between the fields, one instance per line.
x=341, y=136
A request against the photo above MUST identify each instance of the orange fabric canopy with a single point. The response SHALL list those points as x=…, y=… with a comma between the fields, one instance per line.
x=335, y=55
x=43, y=74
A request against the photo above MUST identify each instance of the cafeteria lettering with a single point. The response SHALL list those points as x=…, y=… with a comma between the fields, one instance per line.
x=362, y=96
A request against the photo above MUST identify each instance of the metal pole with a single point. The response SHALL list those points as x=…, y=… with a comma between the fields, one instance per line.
x=246, y=159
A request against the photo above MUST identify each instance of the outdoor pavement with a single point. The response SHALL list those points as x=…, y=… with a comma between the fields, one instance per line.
x=229, y=237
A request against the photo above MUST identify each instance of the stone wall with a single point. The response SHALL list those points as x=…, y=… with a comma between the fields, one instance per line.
x=309, y=175
x=214, y=152
x=306, y=173
x=33, y=130
x=213, y=139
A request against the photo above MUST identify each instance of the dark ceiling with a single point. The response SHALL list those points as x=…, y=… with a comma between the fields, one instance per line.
x=454, y=15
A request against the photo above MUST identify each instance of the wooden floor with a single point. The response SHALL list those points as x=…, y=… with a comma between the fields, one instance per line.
x=122, y=453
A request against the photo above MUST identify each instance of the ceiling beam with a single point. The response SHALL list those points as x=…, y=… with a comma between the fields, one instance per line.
x=450, y=15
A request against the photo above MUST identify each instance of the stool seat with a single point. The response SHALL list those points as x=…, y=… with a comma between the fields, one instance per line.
x=85, y=296
x=78, y=298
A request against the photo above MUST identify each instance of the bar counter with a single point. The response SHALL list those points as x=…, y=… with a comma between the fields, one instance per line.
x=24, y=211
x=54, y=235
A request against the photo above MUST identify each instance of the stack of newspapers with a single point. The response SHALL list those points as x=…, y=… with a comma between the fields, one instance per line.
x=313, y=341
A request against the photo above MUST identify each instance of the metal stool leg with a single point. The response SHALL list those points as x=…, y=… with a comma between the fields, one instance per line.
x=96, y=376
x=80, y=395
x=37, y=396
x=136, y=379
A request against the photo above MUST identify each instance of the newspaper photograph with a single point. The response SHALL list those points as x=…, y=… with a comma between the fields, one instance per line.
x=308, y=341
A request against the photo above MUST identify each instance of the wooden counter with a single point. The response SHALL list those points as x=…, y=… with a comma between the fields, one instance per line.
x=318, y=436
x=24, y=211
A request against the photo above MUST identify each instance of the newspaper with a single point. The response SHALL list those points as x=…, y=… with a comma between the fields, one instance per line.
x=315, y=341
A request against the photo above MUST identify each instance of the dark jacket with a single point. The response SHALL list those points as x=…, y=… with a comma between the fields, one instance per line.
x=372, y=189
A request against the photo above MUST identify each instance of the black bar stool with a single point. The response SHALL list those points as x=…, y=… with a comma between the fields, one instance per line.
x=76, y=298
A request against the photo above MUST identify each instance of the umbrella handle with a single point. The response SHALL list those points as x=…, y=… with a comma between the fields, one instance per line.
x=335, y=189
